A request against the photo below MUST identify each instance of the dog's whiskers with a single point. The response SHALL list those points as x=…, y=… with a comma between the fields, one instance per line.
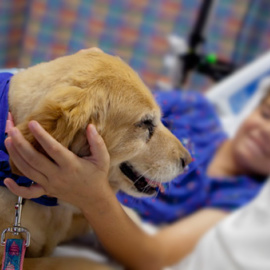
x=142, y=175
x=158, y=187
x=147, y=182
x=157, y=180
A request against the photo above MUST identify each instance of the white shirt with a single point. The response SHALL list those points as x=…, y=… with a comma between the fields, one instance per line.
x=241, y=241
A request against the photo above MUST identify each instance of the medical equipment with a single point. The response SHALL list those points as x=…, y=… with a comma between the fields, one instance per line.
x=236, y=96
x=193, y=59
x=186, y=55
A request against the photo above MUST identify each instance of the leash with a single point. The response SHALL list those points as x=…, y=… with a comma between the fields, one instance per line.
x=15, y=248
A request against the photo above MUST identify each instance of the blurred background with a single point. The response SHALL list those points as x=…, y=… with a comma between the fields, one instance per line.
x=33, y=31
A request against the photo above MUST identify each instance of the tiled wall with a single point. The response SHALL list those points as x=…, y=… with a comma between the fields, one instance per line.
x=32, y=31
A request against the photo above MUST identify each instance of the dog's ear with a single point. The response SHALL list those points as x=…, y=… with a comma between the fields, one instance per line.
x=63, y=114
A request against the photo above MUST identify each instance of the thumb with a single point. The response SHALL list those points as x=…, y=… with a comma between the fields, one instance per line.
x=98, y=148
x=34, y=191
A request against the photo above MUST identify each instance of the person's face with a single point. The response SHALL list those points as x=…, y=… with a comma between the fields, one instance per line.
x=251, y=145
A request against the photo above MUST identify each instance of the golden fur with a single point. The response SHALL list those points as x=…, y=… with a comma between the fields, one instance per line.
x=64, y=96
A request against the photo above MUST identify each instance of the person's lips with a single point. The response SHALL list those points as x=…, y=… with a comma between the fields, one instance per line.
x=256, y=146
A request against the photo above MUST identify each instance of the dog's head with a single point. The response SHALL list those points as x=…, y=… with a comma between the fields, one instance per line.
x=92, y=87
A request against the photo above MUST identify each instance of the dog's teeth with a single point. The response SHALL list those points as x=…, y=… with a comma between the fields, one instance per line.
x=160, y=187
x=153, y=183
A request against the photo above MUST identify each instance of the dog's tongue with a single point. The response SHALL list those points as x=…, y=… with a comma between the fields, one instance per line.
x=156, y=184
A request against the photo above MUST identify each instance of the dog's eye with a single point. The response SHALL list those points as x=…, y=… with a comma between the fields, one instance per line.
x=147, y=124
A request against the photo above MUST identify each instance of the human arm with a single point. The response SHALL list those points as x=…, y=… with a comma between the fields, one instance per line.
x=68, y=179
x=137, y=250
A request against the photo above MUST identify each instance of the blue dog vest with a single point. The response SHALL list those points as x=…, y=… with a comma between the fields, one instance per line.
x=5, y=170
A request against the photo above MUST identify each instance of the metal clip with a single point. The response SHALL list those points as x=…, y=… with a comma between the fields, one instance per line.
x=16, y=229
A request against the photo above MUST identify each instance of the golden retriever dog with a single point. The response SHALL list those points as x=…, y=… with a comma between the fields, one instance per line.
x=64, y=96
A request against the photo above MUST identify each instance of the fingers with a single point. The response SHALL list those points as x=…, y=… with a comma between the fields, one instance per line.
x=9, y=126
x=53, y=148
x=98, y=148
x=9, y=123
x=34, y=191
x=26, y=166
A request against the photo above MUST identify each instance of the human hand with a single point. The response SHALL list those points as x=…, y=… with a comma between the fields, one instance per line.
x=9, y=123
x=69, y=177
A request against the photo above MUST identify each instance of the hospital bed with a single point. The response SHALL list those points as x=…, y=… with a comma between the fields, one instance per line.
x=234, y=98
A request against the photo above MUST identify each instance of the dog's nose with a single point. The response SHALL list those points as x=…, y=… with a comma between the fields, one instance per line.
x=185, y=160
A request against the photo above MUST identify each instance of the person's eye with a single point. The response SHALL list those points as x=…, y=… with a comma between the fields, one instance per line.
x=265, y=113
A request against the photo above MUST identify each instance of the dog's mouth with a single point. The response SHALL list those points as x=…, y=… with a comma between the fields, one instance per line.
x=142, y=184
